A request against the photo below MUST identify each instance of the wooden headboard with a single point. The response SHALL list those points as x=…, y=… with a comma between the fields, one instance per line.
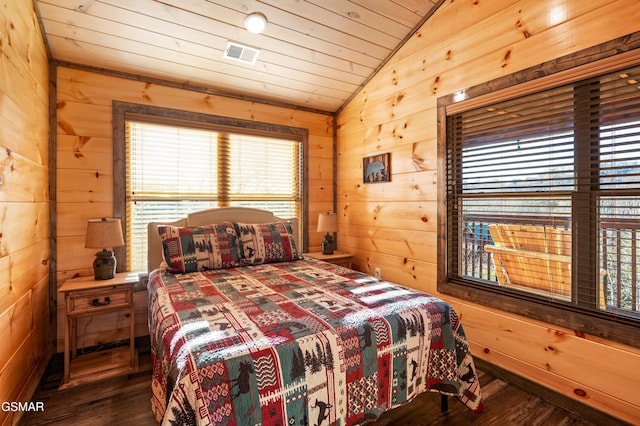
x=207, y=217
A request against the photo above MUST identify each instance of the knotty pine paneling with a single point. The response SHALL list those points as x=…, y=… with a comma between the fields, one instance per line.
x=72, y=149
x=403, y=187
x=85, y=165
x=92, y=88
x=508, y=341
x=22, y=178
x=25, y=225
x=85, y=186
x=414, y=244
x=464, y=44
x=24, y=204
x=20, y=270
x=412, y=215
x=602, y=374
x=312, y=53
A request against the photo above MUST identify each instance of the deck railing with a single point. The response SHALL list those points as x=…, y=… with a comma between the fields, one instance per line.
x=619, y=254
x=620, y=246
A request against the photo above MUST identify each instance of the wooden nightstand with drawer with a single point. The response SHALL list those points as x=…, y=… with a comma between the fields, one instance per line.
x=84, y=296
x=337, y=258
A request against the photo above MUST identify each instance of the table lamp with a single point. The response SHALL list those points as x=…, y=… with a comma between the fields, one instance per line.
x=327, y=222
x=104, y=233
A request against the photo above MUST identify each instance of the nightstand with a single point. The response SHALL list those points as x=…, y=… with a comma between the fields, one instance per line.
x=84, y=296
x=337, y=258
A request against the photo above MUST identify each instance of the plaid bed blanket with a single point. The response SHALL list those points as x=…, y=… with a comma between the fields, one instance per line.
x=299, y=343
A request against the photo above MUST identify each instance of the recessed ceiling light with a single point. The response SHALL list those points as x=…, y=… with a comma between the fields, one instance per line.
x=255, y=22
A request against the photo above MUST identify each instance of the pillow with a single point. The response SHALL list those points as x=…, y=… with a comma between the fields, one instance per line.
x=192, y=249
x=266, y=243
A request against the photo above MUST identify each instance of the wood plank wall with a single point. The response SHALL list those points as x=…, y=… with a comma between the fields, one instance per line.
x=393, y=225
x=85, y=168
x=24, y=203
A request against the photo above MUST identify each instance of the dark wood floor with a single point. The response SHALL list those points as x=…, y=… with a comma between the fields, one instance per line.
x=125, y=401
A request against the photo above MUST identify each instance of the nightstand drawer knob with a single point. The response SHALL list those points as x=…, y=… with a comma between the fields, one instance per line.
x=97, y=302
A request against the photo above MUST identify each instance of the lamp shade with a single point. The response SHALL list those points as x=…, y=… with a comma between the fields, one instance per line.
x=104, y=233
x=327, y=222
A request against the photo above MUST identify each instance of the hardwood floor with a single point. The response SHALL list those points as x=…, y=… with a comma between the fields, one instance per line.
x=125, y=401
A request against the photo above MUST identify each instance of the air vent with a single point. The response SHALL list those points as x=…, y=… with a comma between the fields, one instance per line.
x=241, y=53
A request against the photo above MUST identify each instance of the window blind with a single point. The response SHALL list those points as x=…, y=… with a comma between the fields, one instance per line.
x=543, y=193
x=173, y=170
x=617, y=165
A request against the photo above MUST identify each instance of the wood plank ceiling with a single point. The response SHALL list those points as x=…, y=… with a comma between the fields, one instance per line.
x=314, y=54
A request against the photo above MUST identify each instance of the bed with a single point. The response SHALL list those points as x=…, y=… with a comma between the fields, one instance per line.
x=246, y=330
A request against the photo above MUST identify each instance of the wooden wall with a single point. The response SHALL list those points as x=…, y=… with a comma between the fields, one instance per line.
x=24, y=203
x=393, y=225
x=85, y=167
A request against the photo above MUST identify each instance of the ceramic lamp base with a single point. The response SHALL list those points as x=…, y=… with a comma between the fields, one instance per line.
x=104, y=266
x=327, y=244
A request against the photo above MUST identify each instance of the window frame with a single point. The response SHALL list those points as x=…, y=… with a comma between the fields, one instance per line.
x=171, y=116
x=593, y=61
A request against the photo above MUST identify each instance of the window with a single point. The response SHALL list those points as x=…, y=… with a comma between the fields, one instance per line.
x=175, y=166
x=543, y=196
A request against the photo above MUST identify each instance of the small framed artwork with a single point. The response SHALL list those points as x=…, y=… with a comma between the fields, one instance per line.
x=376, y=168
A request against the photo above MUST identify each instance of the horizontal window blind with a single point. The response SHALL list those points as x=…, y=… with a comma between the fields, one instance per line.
x=169, y=162
x=543, y=193
x=173, y=170
x=618, y=191
x=257, y=168
x=514, y=146
x=618, y=132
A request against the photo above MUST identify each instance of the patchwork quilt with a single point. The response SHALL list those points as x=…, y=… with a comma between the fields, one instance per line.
x=299, y=343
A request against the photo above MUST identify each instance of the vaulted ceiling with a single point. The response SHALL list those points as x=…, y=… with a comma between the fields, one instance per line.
x=313, y=53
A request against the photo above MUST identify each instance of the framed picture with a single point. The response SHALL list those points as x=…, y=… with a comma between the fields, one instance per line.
x=376, y=168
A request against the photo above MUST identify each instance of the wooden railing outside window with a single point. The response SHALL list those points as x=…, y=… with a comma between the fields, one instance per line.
x=619, y=248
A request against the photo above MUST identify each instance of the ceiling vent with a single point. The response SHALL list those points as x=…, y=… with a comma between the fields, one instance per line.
x=241, y=53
